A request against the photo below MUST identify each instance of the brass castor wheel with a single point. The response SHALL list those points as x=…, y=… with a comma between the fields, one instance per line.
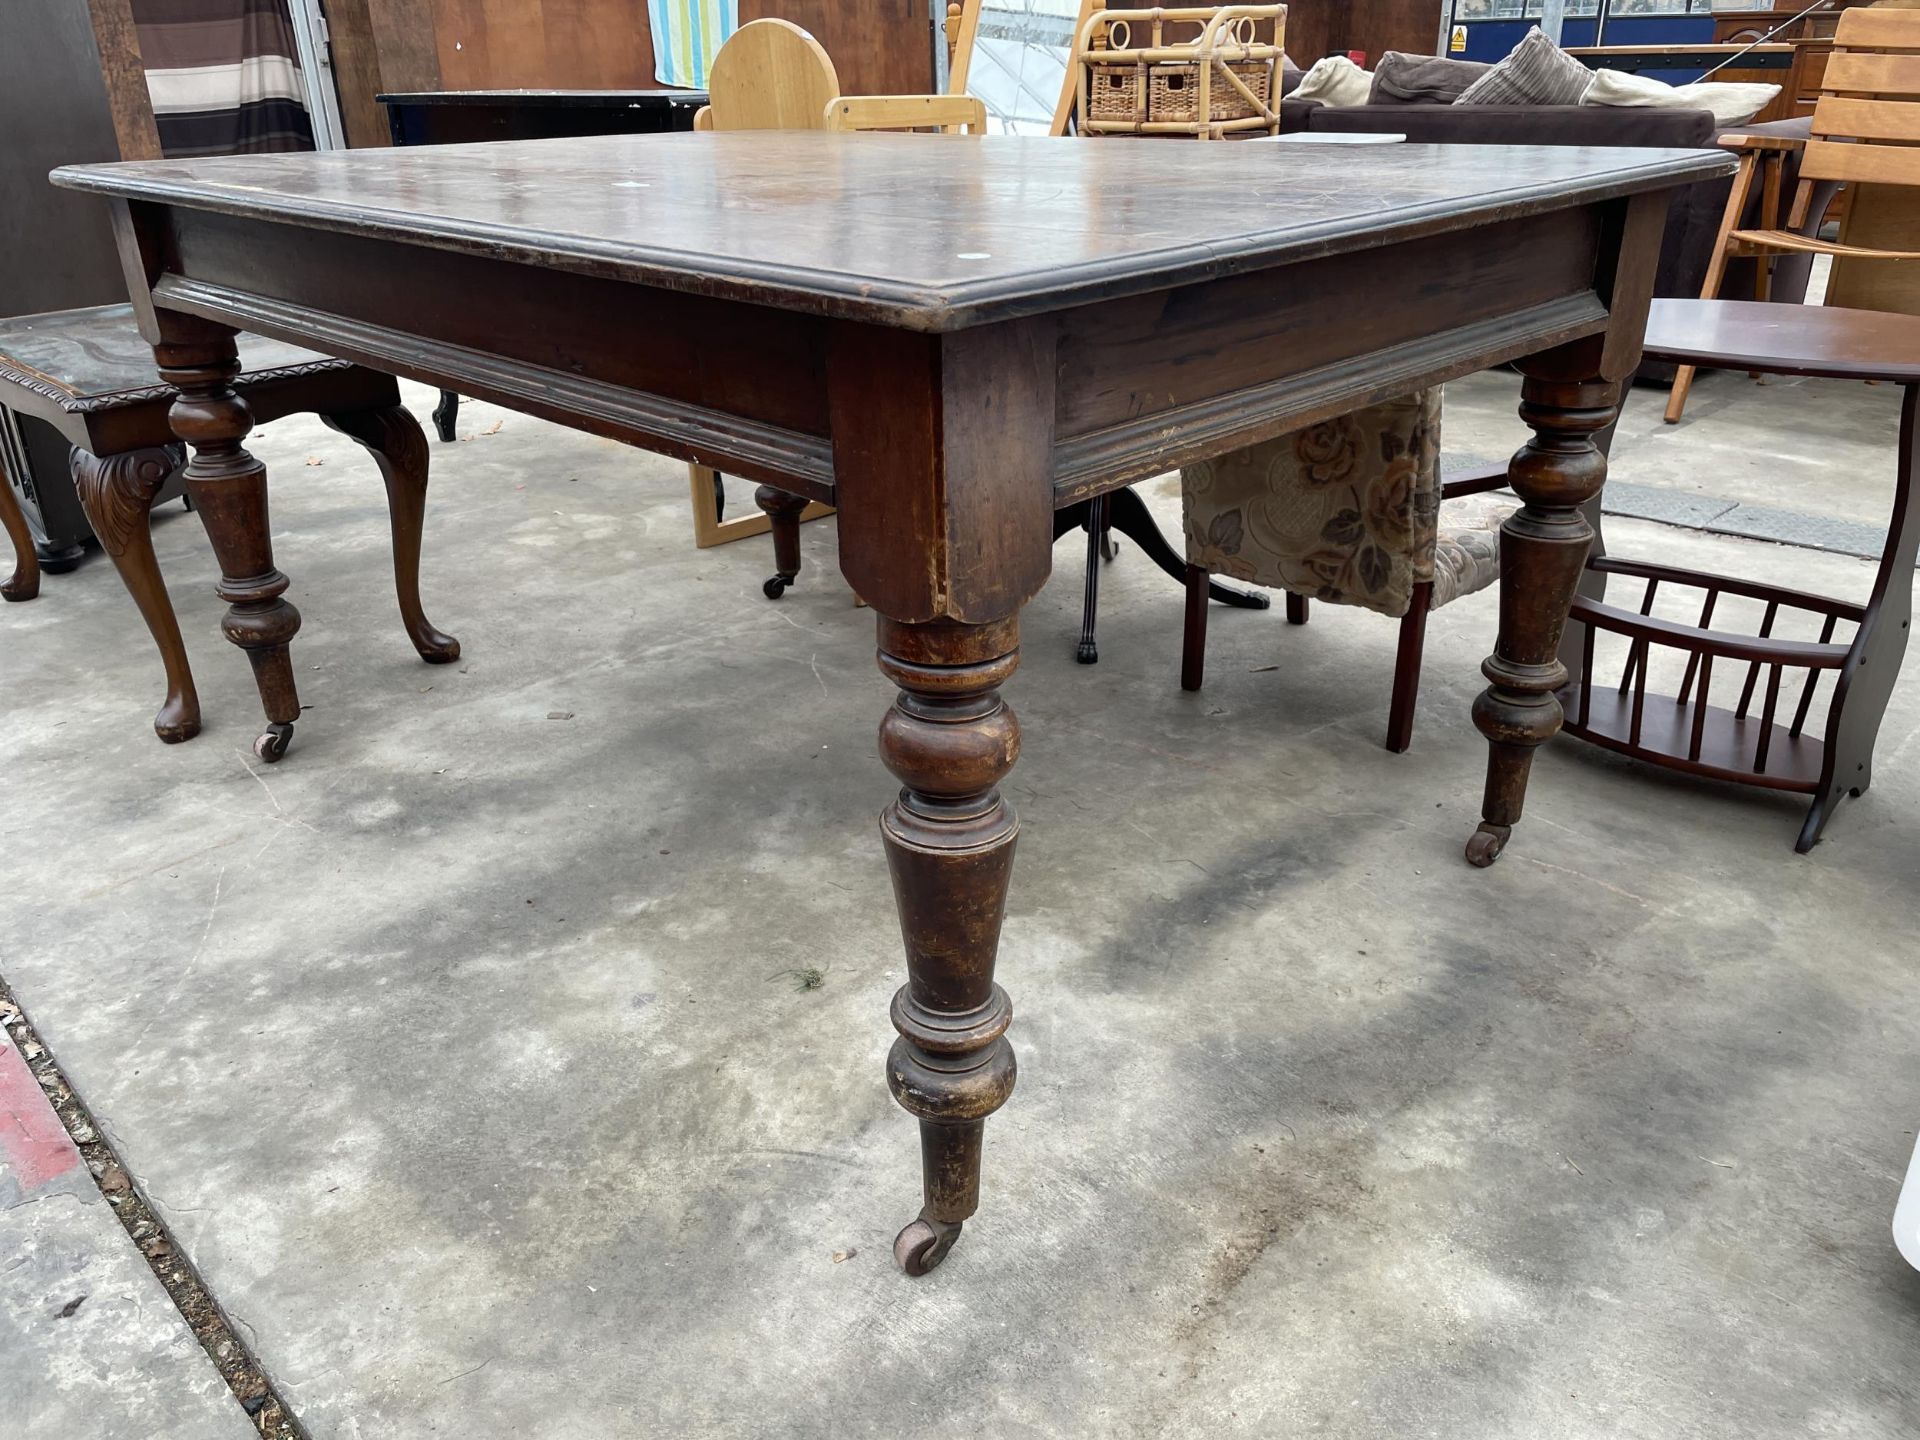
x=1486, y=844
x=924, y=1244
x=272, y=746
x=777, y=586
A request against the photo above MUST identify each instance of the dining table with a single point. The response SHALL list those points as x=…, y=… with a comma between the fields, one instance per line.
x=946, y=338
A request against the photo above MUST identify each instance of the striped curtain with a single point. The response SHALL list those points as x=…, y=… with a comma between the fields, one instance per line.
x=223, y=75
x=687, y=34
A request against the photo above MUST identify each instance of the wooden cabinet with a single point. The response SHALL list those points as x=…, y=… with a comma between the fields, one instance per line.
x=879, y=47
x=1332, y=27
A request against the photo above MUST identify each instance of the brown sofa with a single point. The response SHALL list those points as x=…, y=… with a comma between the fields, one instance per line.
x=1692, y=225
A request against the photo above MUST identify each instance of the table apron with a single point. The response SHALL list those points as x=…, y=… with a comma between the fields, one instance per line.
x=1145, y=383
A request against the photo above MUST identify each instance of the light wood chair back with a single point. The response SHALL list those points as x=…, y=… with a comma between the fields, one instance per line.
x=770, y=75
x=1866, y=135
x=1866, y=123
x=907, y=112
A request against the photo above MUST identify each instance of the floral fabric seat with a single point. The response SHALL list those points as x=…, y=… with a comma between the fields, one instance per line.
x=1346, y=511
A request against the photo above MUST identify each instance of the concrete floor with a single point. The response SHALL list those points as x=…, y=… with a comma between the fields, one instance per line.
x=464, y=1050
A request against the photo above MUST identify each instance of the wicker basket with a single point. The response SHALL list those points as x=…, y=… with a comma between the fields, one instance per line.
x=1118, y=92
x=1175, y=97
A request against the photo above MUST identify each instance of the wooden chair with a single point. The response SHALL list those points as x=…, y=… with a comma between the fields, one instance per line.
x=1866, y=135
x=89, y=374
x=1346, y=511
x=772, y=75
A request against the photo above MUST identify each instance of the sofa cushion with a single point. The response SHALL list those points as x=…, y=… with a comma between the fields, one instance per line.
x=1403, y=79
x=1535, y=72
x=1728, y=103
x=1335, y=80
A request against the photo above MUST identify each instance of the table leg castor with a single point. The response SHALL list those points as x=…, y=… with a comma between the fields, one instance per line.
x=1486, y=843
x=924, y=1244
x=271, y=747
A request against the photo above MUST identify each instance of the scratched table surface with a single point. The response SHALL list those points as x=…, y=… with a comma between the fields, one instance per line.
x=928, y=232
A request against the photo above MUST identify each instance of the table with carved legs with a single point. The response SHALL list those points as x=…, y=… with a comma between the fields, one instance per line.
x=946, y=338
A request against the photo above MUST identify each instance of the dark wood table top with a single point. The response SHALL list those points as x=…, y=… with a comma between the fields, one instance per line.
x=574, y=99
x=923, y=232
x=1786, y=339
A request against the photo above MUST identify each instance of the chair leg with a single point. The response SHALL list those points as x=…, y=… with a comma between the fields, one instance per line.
x=1406, y=668
x=1088, y=652
x=783, y=514
x=1677, y=398
x=25, y=581
x=399, y=447
x=1193, y=640
x=446, y=415
x=117, y=493
x=1296, y=609
x=1717, y=267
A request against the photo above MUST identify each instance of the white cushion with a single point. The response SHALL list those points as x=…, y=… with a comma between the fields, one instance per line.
x=1731, y=104
x=1335, y=80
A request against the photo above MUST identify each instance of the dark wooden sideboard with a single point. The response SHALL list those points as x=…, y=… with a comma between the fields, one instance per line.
x=458, y=117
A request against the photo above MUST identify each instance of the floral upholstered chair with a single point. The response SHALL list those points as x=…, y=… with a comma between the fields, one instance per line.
x=1347, y=511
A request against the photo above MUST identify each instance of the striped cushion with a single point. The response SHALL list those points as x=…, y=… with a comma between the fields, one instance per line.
x=1535, y=72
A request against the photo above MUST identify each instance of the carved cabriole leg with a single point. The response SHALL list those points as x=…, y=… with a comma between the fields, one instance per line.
x=1543, y=549
x=783, y=512
x=24, y=583
x=399, y=446
x=950, y=740
x=117, y=494
x=229, y=488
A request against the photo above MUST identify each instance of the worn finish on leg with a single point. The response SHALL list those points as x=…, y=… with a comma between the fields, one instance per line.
x=229, y=488
x=949, y=835
x=783, y=513
x=24, y=583
x=398, y=445
x=117, y=494
x=1543, y=548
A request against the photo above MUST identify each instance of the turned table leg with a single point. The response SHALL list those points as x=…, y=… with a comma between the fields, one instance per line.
x=783, y=512
x=229, y=488
x=949, y=837
x=117, y=493
x=1543, y=548
x=24, y=583
x=399, y=446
